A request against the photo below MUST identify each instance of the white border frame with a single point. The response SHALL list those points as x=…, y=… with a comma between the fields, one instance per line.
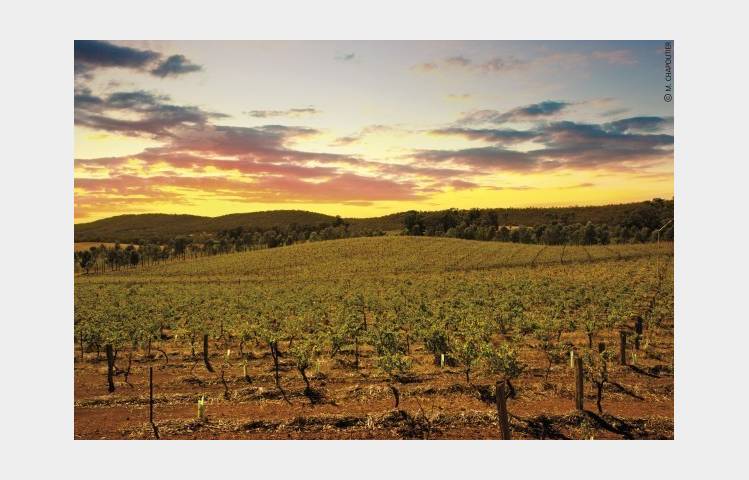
x=710, y=325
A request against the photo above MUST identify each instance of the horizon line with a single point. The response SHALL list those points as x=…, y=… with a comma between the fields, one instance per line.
x=379, y=216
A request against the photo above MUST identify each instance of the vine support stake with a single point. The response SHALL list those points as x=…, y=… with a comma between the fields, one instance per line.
x=622, y=347
x=504, y=423
x=150, y=394
x=110, y=368
x=150, y=403
x=579, y=384
x=638, y=332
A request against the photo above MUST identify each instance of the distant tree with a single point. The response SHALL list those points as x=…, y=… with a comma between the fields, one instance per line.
x=134, y=257
x=503, y=235
x=414, y=223
x=525, y=235
x=86, y=260
x=515, y=235
x=180, y=246
x=589, y=234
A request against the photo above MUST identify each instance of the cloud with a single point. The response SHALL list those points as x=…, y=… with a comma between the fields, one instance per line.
x=458, y=61
x=292, y=112
x=501, y=136
x=614, y=112
x=628, y=144
x=641, y=124
x=501, y=64
x=174, y=66
x=348, y=140
x=90, y=55
x=93, y=53
x=136, y=113
x=425, y=67
x=368, y=130
x=411, y=170
x=346, y=57
x=243, y=164
x=518, y=188
x=265, y=143
x=494, y=158
x=579, y=185
x=511, y=63
x=247, y=151
x=464, y=63
x=344, y=187
x=121, y=191
x=463, y=185
x=526, y=113
x=615, y=57
x=579, y=145
x=260, y=164
x=459, y=96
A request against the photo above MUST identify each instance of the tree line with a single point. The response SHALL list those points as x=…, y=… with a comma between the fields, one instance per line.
x=648, y=222
x=103, y=258
x=651, y=221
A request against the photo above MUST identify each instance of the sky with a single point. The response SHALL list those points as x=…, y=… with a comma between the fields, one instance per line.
x=367, y=128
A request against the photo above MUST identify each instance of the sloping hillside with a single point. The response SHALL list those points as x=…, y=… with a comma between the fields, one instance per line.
x=155, y=226
x=372, y=257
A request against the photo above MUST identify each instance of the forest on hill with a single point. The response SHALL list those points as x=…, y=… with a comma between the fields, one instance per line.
x=155, y=239
x=160, y=228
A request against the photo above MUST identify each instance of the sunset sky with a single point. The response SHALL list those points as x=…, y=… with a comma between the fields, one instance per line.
x=365, y=129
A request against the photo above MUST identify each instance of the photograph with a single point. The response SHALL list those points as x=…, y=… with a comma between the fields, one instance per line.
x=372, y=240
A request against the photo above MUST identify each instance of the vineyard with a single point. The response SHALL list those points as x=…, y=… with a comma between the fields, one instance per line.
x=383, y=337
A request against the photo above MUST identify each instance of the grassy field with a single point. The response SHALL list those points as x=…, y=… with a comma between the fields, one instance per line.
x=313, y=340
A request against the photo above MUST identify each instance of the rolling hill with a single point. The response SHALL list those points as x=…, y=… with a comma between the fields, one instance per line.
x=375, y=257
x=153, y=226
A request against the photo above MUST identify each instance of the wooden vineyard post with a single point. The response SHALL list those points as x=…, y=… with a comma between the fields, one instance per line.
x=110, y=368
x=622, y=347
x=150, y=403
x=504, y=423
x=601, y=347
x=638, y=332
x=579, y=384
x=150, y=394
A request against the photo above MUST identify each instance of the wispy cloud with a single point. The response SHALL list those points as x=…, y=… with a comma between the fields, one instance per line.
x=136, y=113
x=615, y=57
x=536, y=111
x=346, y=57
x=462, y=62
x=291, y=112
x=512, y=63
x=500, y=136
x=364, y=132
